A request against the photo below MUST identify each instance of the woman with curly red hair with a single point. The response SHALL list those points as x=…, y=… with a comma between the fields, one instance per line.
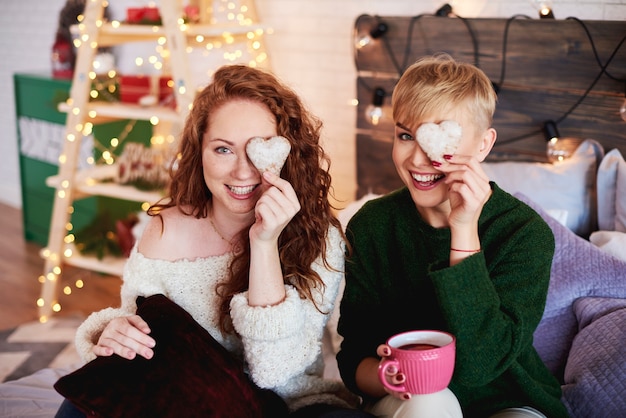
x=256, y=258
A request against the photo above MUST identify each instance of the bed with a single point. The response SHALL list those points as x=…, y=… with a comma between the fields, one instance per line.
x=543, y=70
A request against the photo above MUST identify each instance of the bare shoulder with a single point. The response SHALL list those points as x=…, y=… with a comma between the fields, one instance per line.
x=164, y=235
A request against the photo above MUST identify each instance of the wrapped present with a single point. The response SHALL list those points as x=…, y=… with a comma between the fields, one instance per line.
x=143, y=15
x=135, y=88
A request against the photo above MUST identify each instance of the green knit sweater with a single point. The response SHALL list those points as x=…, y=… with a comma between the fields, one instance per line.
x=398, y=278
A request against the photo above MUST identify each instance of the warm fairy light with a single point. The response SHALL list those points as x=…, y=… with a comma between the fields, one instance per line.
x=65, y=184
x=115, y=24
x=56, y=307
x=155, y=120
x=67, y=253
x=41, y=279
x=62, y=158
x=93, y=94
x=76, y=110
x=92, y=114
x=69, y=238
x=61, y=194
x=43, y=319
x=256, y=45
x=51, y=277
x=69, y=226
x=40, y=302
x=114, y=142
x=88, y=129
x=45, y=253
x=67, y=290
x=56, y=270
x=79, y=284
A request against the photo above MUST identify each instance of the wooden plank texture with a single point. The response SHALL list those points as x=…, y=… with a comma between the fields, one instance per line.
x=542, y=68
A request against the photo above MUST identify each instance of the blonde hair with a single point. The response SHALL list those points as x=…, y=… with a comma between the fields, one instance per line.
x=434, y=84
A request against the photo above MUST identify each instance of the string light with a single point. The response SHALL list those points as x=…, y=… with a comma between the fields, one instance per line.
x=366, y=38
x=244, y=47
x=544, y=7
x=374, y=111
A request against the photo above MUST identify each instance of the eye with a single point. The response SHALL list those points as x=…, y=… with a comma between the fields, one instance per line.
x=223, y=150
x=404, y=136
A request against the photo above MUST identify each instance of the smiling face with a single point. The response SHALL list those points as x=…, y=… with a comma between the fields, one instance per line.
x=234, y=182
x=424, y=181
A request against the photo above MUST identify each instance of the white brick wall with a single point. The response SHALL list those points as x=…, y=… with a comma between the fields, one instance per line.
x=310, y=50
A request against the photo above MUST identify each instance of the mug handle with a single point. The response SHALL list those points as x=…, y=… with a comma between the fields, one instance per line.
x=382, y=371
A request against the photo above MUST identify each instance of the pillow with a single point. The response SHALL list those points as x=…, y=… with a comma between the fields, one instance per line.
x=611, y=186
x=190, y=375
x=613, y=242
x=579, y=269
x=564, y=186
x=595, y=375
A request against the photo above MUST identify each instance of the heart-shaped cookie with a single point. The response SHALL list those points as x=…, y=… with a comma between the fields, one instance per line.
x=268, y=154
x=439, y=139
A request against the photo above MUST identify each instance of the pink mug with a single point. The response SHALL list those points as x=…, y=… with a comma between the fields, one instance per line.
x=426, y=358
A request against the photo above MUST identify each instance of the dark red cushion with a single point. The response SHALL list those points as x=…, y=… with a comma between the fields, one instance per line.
x=190, y=375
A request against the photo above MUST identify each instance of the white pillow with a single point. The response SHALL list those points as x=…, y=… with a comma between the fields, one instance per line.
x=612, y=192
x=568, y=186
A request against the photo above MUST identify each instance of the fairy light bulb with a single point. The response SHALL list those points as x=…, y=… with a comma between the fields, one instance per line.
x=544, y=7
x=364, y=39
x=374, y=111
x=622, y=110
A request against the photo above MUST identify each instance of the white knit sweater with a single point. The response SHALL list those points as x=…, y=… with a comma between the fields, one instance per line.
x=281, y=344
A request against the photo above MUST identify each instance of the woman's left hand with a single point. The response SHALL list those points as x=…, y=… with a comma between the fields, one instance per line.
x=276, y=207
x=469, y=188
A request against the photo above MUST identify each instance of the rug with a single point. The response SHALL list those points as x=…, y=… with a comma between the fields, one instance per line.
x=34, y=346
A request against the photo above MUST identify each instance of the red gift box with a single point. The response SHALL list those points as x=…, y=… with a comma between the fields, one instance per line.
x=145, y=15
x=134, y=87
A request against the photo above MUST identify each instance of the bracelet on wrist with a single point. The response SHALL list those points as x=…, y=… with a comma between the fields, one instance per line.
x=465, y=251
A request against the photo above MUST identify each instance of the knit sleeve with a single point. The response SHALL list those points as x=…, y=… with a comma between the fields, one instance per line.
x=89, y=331
x=284, y=340
x=494, y=300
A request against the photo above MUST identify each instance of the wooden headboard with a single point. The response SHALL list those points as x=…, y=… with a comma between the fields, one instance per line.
x=542, y=69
